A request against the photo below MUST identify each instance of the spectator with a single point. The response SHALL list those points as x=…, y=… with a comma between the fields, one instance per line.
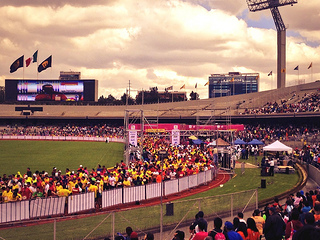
x=274, y=227
x=242, y=230
x=253, y=232
x=293, y=225
x=200, y=219
x=128, y=232
x=217, y=232
x=37, y=193
x=232, y=235
x=149, y=236
x=240, y=216
x=202, y=233
x=308, y=231
x=134, y=236
x=258, y=220
x=178, y=235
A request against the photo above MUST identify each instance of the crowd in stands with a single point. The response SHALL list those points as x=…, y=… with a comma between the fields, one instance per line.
x=308, y=103
x=262, y=132
x=99, y=130
x=142, y=169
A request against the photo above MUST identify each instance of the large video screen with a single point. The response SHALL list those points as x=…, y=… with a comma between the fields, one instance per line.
x=34, y=90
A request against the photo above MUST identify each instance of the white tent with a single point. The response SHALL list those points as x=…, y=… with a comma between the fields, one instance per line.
x=277, y=147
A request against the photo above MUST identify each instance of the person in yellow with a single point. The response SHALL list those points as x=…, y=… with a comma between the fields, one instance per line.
x=63, y=192
x=126, y=182
x=72, y=183
x=6, y=194
x=15, y=196
x=14, y=186
x=93, y=188
x=58, y=186
x=84, y=182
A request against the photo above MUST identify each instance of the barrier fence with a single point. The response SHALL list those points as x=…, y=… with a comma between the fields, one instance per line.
x=144, y=219
x=57, y=206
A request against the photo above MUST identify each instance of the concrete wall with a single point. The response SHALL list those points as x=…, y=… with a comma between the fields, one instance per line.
x=314, y=174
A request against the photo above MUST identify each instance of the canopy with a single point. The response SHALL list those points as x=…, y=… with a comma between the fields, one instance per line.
x=277, y=147
x=198, y=141
x=255, y=142
x=220, y=142
x=192, y=137
x=239, y=141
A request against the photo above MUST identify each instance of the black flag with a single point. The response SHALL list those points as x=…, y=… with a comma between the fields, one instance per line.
x=45, y=64
x=16, y=64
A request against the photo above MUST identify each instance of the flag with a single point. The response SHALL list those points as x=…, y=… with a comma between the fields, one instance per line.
x=207, y=83
x=310, y=66
x=296, y=68
x=35, y=56
x=270, y=74
x=169, y=88
x=28, y=61
x=183, y=86
x=45, y=64
x=17, y=64
x=196, y=85
x=33, y=59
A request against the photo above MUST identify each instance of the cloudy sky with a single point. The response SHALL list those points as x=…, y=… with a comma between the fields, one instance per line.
x=157, y=43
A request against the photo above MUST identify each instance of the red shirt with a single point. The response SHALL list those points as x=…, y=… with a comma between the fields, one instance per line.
x=200, y=236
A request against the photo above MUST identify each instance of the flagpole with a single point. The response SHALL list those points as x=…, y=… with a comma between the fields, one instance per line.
x=37, y=65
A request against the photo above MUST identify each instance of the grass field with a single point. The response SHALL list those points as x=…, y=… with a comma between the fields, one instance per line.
x=44, y=155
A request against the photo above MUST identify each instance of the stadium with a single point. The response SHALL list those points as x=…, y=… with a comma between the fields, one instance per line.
x=247, y=109
x=242, y=164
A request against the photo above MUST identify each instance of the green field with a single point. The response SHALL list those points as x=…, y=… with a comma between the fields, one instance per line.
x=44, y=155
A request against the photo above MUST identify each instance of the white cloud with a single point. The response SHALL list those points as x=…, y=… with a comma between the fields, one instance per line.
x=154, y=43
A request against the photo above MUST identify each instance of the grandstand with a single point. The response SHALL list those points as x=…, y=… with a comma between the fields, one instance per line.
x=222, y=107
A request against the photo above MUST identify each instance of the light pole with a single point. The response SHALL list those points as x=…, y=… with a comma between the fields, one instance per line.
x=162, y=154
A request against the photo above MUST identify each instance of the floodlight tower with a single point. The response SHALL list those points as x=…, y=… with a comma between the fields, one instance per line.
x=257, y=5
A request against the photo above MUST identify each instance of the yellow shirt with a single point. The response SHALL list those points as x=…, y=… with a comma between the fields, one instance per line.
x=126, y=183
x=93, y=188
x=63, y=192
x=17, y=198
x=6, y=196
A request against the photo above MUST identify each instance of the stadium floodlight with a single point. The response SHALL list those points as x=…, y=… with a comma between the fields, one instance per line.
x=257, y=5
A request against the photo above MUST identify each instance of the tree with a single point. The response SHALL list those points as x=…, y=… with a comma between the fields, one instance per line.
x=123, y=100
x=150, y=96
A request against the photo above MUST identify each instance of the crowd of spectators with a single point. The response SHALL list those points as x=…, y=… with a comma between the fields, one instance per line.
x=308, y=103
x=297, y=219
x=99, y=130
x=182, y=160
